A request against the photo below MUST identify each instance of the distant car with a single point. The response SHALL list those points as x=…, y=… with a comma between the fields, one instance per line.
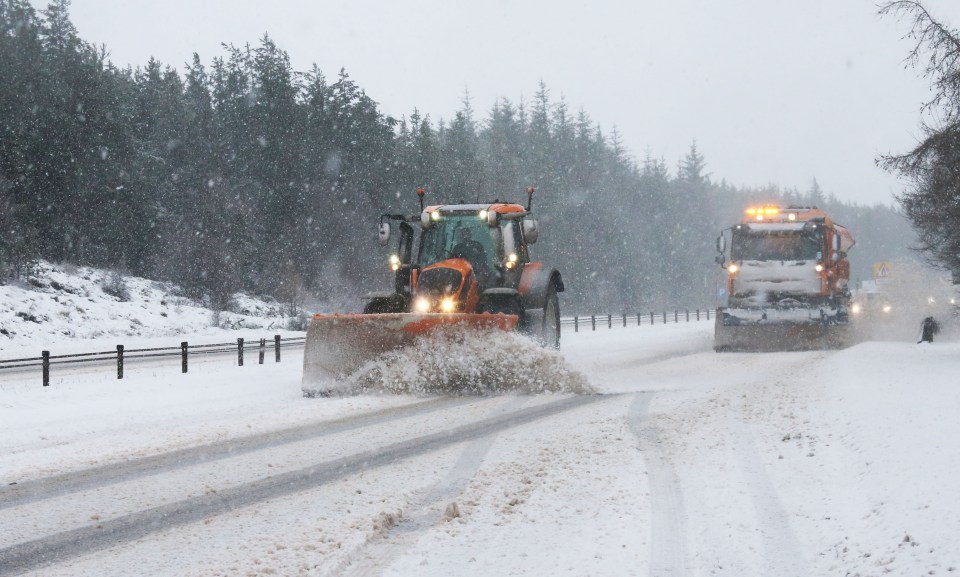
x=871, y=305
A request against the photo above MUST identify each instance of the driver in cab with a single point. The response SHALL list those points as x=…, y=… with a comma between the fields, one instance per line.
x=471, y=250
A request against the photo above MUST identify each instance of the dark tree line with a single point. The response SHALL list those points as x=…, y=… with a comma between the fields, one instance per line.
x=249, y=175
x=933, y=168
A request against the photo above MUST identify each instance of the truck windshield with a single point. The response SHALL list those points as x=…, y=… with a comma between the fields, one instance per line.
x=459, y=236
x=792, y=245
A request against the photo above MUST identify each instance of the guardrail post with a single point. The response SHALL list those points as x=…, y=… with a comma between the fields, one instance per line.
x=276, y=346
x=688, y=315
x=240, y=351
x=708, y=314
x=593, y=322
x=698, y=314
x=609, y=321
x=624, y=319
x=183, y=356
x=263, y=349
x=119, y=361
x=576, y=324
x=664, y=317
x=46, y=368
x=676, y=316
x=651, y=318
x=638, y=319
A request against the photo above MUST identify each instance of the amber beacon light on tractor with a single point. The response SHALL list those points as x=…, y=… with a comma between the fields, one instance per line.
x=787, y=277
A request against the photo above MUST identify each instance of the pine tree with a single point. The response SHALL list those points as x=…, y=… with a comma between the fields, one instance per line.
x=460, y=178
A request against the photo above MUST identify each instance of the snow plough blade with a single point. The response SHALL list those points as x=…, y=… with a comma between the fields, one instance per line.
x=339, y=344
x=780, y=335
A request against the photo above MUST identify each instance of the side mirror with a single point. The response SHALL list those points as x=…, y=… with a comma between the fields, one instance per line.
x=493, y=218
x=384, y=233
x=719, y=259
x=425, y=221
x=836, y=243
x=530, y=232
x=721, y=244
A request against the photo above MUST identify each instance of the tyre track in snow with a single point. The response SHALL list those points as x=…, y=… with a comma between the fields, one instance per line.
x=782, y=551
x=69, y=544
x=20, y=493
x=667, y=531
x=428, y=509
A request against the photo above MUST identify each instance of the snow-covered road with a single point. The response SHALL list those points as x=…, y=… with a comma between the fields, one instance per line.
x=688, y=462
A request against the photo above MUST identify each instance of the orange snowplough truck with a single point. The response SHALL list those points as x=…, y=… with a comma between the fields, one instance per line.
x=457, y=267
x=786, y=281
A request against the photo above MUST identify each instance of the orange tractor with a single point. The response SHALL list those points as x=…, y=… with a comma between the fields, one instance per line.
x=469, y=269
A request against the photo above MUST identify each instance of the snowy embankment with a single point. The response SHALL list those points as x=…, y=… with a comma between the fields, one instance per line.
x=697, y=463
x=68, y=309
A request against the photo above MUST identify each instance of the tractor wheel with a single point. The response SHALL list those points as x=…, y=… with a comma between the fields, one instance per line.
x=550, y=329
x=507, y=306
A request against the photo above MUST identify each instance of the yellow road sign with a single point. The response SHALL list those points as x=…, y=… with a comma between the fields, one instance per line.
x=882, y=270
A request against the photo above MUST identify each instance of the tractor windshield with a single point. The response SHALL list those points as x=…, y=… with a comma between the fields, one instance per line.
x=780, y=245
x=459, y=236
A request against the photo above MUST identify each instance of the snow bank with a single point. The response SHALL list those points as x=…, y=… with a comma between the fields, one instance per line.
x=65, y=303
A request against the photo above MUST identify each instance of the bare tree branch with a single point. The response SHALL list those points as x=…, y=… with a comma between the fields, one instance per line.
x=933, y=167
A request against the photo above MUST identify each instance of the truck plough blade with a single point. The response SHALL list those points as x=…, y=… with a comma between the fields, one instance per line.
x=781, y=335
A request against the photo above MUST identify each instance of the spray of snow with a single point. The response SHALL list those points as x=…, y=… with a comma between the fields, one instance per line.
x=475, y=363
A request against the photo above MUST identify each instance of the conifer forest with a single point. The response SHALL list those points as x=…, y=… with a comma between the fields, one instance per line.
x=243, y=174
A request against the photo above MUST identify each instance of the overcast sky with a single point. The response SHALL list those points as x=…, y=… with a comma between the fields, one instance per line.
x=773, y=91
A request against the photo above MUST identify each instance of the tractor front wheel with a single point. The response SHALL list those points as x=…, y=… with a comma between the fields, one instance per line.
x=550, y=329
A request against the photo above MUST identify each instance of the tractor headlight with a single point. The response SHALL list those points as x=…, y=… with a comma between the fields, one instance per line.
x=819, y=267
x=394, y=262
x=421, y=305
x=448, y=305
x=855, y=308
x=732, y=268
